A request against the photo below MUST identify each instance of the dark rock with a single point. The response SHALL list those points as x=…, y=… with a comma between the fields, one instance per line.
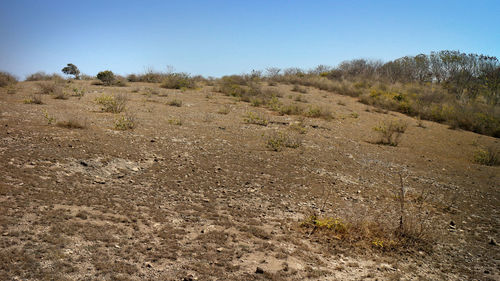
x=84, y=164
x=259, y=270
x=493, y=242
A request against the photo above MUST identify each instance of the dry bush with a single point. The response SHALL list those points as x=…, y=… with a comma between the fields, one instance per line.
x=297, y=88
x=175, y=121
x=7, y=79
x=231, y=85
x=34, y=99
x=300, y=98
x=112, y=103
x=178, y=81
x=42, y=76
x=318, y=112
x=224, y=110
x=489, y=156
x=49, y=88
x=404, y=222
x=256, y=118
x=277, y=141
x=125, y=122
x=175, y=102
x=291, y=109
x=390, y=131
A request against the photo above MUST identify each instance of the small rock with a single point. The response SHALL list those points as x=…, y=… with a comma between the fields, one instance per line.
x=220, y=249
x=83, y=216
x=259, y=270
x=84, y=164
x=452, y=225
x=493, y=242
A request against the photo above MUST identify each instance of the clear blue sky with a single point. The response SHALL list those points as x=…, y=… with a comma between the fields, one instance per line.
x=232, y=37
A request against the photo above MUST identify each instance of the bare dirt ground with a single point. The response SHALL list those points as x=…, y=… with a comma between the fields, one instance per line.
x=194, y=194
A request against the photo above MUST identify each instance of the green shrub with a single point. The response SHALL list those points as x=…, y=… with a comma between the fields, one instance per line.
x=107, y=77
x=71, y=69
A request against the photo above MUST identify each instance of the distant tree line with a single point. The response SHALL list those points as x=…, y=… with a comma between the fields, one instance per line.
x=467, y=76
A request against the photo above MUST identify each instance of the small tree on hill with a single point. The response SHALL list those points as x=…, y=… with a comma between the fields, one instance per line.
x=71, y=69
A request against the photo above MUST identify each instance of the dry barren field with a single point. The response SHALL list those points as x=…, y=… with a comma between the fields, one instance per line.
x=208, y=187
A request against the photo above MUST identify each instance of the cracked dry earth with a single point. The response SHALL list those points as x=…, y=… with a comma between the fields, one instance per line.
x=207, y=200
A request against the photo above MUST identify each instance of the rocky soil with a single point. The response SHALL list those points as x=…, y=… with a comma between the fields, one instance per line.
x=193, y=192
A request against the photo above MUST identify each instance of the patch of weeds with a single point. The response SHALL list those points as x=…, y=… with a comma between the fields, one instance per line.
x=49, y=88
x=224, y=110
x=208, y=118
x=488, y=156
x=59, y=94
x=11, y=90
x=112, y=103
x=274, y=104
x=318, y=112
x=333, y=225
x=78, y=92
x=354, y=115
x=276, y=141
x=390, y=131
x=420, y=123
x=297, y=88
x=255, y=118
x=50, y=119
x=300, y=98
x=291, y=109
x=125, y=122
x=175, y=102
x=175, y=121
x=33, y=99
x=256, y=101
x=209, y=95
x=298, y=127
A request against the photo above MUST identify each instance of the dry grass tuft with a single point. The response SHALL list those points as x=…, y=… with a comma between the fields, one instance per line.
x=125, y=122
x=33, y=99
x=390, y=132
x=256, y=118
x=112, y=103
x=277, y=141
x=489, y=156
